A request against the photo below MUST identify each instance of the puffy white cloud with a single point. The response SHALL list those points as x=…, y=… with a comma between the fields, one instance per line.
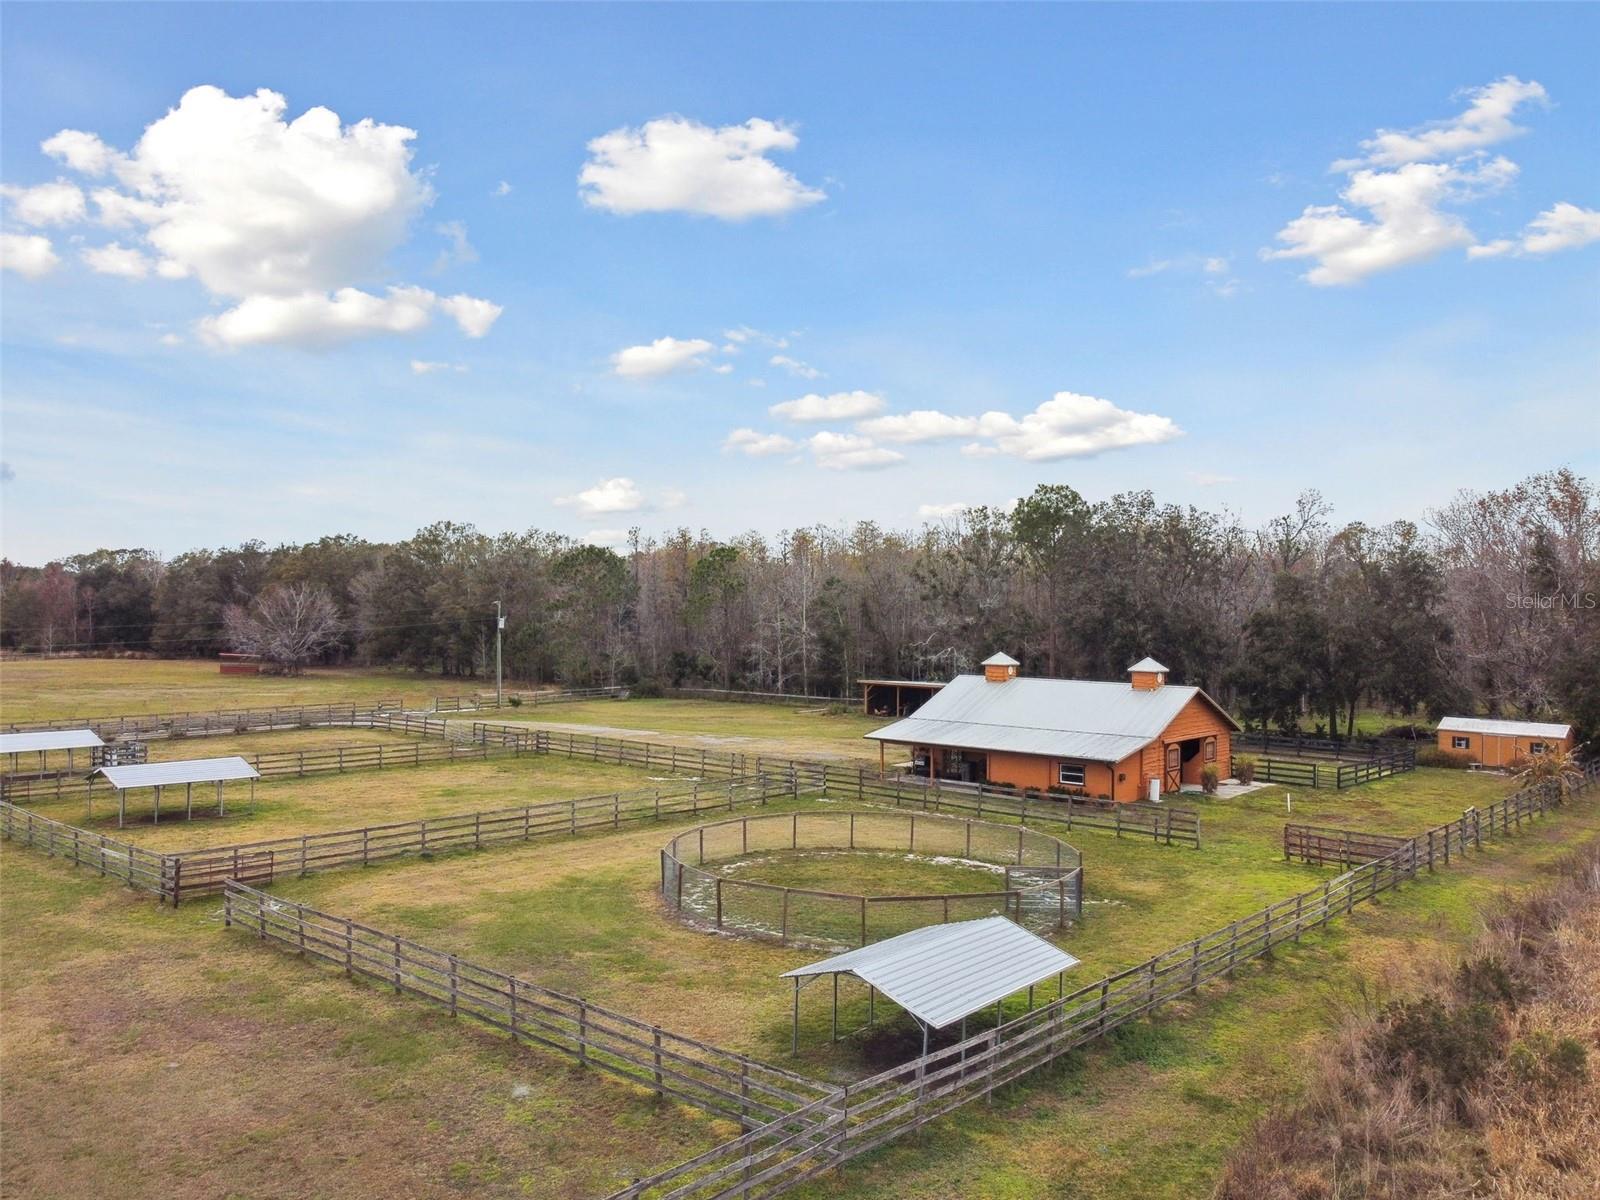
x=661, y=357
x=673, y=164
x=795, y=367
x=57, y=203
x=1216, y=264
x=1407, y=222
x=501, y=189
x=723, y=368
x=421, y=366
x=744, y=334
x=1486, y=121
x=84, y=152
x=759, y=445
x=1563, y=227
x=28, y=254
x=617, y=495
x=1069, y=425
x=1154, y=267
x=850, y=452
x=115, y=259
x=839, y=406
x=922, y=425
x=284, y=217
x=459, y=250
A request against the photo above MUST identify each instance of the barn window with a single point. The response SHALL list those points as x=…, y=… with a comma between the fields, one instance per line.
x=1536, y=747
x=1461, y=743
x=1211, y=749
x=1071, y=774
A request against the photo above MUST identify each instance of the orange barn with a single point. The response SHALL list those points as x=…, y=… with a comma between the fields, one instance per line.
x=1085, y=736
x=1495, y=743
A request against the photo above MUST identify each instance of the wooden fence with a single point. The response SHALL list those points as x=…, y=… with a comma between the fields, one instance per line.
x=719, y=1081
x=1315, y=773
x=139, y=868
x=1295, y=745
x=866, y=1115
x=237, y=720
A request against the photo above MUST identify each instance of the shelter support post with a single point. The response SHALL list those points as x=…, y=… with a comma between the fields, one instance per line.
x=794, y=1042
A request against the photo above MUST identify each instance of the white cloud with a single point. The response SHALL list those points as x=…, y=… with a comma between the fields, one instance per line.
x=723, y=368
x=459, y=250
x=501, y=189
x=1154, y=267
x=744, y=334
x=1407, y=222
x=421, y=366
x=1486, y=121
x=1068, y=425
x=759, y=445
x=83, y=152
x=1216, y=264
x=939, y=511
x=839, y=406
x=171, y=339
x=850, y=452
x=1563, y=227
x=661, y=357
x=617, y=495
x=922, y=425
x=284, y=217
x=28, y=254
x=57, y=203
x=671, y=498
x=794, y=366
x=673, y=164
x=116, y=259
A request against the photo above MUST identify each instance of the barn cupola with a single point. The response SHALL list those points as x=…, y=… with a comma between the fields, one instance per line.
x=1147, y=675
x=998, y=668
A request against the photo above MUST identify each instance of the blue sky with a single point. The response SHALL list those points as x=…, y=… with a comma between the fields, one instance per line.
x=1042, y=229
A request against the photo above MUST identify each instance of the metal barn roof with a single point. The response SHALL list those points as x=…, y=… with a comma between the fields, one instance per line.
x=1064, y=718
x=1501, y=728
x=192, y=770
x=49, y=739
x=941, y=973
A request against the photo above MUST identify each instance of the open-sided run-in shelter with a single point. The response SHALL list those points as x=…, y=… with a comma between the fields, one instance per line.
x=45, y=742
x=185, y=773
x=942, y=974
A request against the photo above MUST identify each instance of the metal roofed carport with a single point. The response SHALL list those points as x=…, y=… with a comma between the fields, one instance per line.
x=187, y=772
x=941, y=974
x=46, y=740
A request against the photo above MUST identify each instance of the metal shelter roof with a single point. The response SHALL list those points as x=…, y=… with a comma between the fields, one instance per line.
x=1063, y=718
x=1502, y=728
x=941, y=973
x=49, y=739
x=165, y=774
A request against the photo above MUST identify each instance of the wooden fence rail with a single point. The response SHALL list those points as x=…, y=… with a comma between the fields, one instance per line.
x=216, y=721
x=139, y=868
x=719, y=1081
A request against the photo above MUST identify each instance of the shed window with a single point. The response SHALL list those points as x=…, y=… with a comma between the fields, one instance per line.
x=1211, y=749
x=1536, y=747
x=1461, y=743
x=1071, y=774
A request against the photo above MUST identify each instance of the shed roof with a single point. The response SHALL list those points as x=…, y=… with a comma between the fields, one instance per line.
x=192, y=770
x=1064, y=718
x=941, y=973
x=49, y=739
x=1147, y=664
x=1501, y=728
x=932, y=685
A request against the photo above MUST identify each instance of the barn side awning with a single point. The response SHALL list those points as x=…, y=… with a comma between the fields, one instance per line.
x=49, y=739
x=941, y=974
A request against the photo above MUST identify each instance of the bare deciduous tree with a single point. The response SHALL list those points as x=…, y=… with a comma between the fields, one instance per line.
x=288, y=625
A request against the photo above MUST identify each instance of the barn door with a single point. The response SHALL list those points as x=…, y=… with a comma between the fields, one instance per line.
x=1174, y=773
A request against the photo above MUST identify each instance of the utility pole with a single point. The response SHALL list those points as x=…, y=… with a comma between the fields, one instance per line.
x=499, y=630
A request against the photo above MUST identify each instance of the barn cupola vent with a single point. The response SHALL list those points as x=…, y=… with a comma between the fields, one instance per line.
x=1147, y=675
x=998, y=668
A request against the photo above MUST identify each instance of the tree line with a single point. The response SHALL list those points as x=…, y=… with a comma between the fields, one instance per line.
x=1487, y=604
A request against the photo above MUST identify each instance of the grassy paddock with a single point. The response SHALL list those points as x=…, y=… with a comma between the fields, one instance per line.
x=291, y=805
x=148, y=1056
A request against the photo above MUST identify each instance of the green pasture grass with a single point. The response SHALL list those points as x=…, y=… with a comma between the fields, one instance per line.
x=801, y=730
x=147, y=1054
x=40, y=689
x=290, y=805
